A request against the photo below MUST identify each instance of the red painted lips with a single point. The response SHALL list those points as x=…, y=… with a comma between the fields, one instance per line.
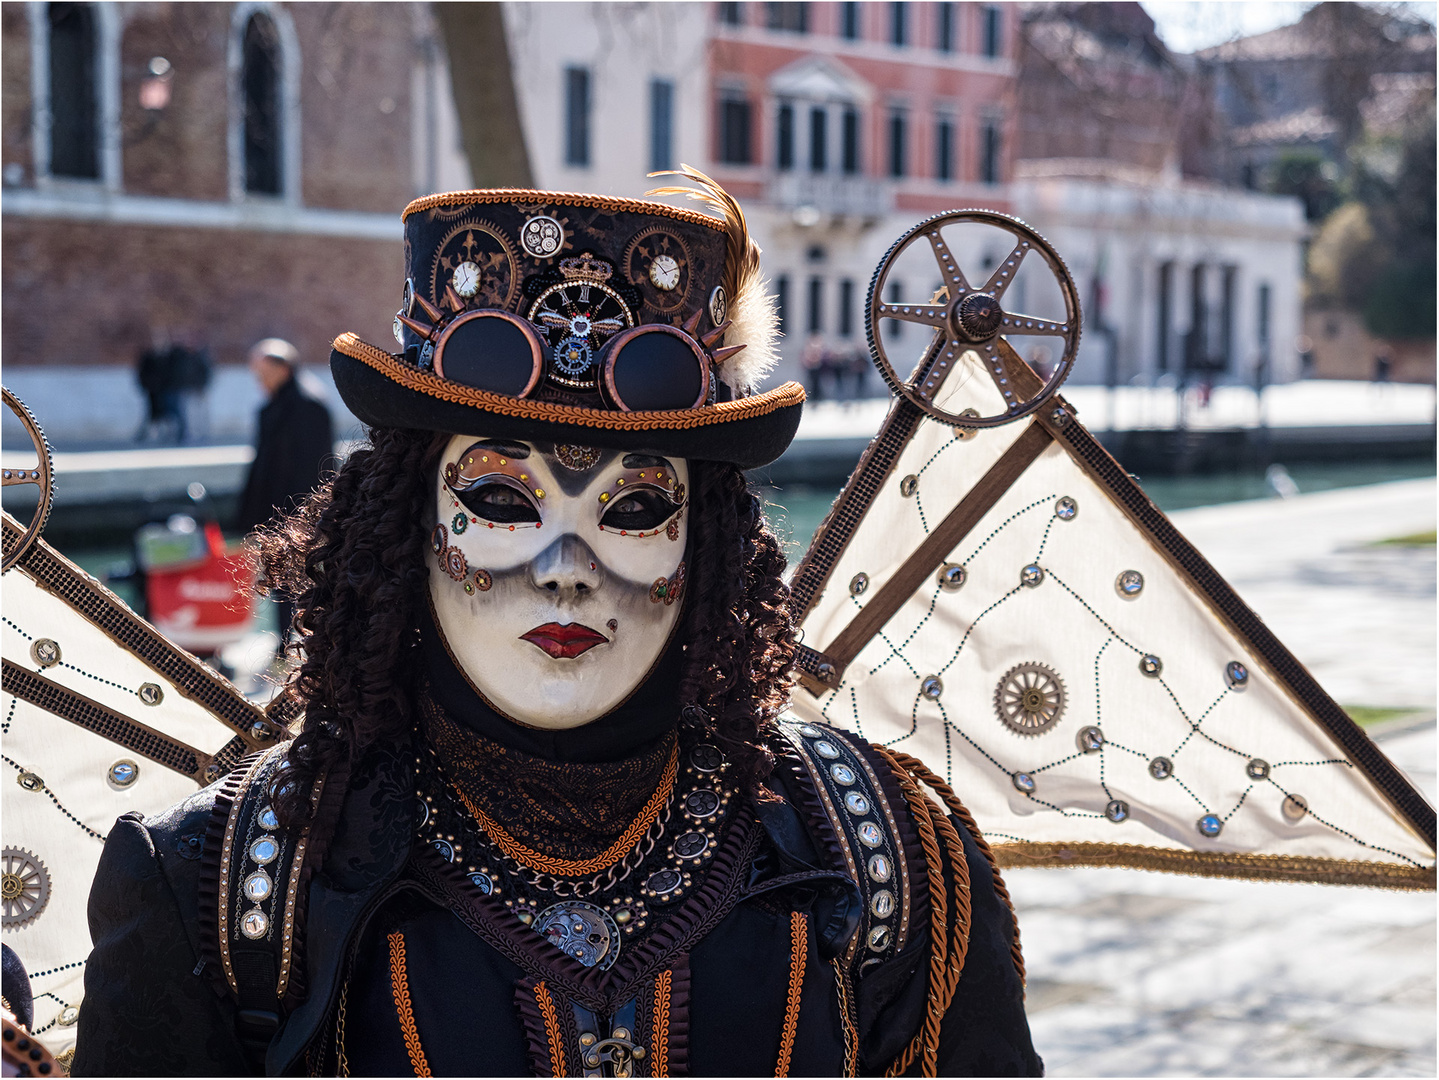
x=564, y=642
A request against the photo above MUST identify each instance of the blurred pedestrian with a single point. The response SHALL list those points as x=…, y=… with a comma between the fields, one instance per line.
x=156, y=373
x=294, y=447
x=813, y=362
x=858, y=364
x=1383, y=366
x=192, y=367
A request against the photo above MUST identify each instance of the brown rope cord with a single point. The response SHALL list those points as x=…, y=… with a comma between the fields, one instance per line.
x=799, y=950
x=545, y=864
x=400, y=987
x=949, y=941
x=552, y=1028
x=958, y=809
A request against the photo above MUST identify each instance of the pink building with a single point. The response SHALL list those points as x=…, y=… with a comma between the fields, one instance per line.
x=840, y=125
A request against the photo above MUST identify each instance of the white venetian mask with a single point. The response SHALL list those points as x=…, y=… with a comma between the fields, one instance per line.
x=558, y=572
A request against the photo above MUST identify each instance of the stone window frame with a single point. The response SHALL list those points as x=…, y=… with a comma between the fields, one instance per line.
x=107, y=83
x=290, y=142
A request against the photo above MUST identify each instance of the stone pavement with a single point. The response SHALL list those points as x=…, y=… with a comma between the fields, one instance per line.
x=1139, y=974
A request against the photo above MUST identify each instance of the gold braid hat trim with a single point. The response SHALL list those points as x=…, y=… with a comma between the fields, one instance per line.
x=424, y=382
x=614, y=204
x=799, y=950
x=538, y=861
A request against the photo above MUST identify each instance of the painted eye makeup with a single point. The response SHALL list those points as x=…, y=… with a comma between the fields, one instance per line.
x=502, y=503
x=639, y=509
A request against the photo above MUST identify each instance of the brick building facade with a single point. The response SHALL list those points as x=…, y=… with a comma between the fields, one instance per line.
x=212, y=172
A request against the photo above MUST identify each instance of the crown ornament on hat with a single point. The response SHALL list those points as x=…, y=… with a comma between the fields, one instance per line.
x=528, y=312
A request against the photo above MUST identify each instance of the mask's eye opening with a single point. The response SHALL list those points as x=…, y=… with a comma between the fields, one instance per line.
x=639, y=509
x=499, y=499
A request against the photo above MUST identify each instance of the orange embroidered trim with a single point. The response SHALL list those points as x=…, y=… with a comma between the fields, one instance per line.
x=400, y=986
x=536, y=860
x=791, y=393
x=660, y=1057
x=561, y=198
x=552, y=1028
x=799, y=949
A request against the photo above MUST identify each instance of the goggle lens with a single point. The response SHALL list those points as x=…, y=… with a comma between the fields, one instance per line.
x=654, y=367
x=491, y=351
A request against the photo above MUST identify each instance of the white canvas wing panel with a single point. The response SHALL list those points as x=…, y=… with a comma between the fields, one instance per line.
x=102, y=716
x=1086, y=682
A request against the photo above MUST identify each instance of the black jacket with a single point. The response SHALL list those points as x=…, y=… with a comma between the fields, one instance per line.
x=294, y=445
x=153, y=1006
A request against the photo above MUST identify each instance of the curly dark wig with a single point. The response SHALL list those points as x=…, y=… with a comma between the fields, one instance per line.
x=354, y=558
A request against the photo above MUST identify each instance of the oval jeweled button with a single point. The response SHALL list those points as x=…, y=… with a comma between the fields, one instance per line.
x=881, y=905
x=1089, y=739
x=1031, y=576
x=842, y=774
x=662, y=882
x=869, y=834
x=826, y=749
x=879, y=938
x=691, y=845
x=1022, y=781
x=706, y=758
x=702, y=803
x=856, y=803
x=1129, y=584
x=123, y=773
x=1117, y=810
x=267, y=818
x=258, y=886
x=1257, y=769
x=1150, y=665
x=254, y=924
x=445, y=848
x=1236, y=675
x=1209, y=825
x=879, y=868
x=482, y=882
x=264, y=850
x=1161, y=768
x=809, y=731
x=931, y=687
x=1066, y=508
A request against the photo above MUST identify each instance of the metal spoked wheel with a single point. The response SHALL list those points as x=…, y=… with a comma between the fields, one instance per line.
x=41, y=475
x=970, y=318
x=1029, y=699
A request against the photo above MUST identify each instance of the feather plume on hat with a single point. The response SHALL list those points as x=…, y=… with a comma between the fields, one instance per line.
x=753, y=313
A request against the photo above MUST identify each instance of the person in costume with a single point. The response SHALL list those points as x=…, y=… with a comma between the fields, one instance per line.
x=544, y=814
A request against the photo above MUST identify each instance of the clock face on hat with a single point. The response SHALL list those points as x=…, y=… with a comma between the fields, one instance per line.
x=657, y=262
x=577, y=317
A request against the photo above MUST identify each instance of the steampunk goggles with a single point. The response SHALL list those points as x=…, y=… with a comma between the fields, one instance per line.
x=649, y=367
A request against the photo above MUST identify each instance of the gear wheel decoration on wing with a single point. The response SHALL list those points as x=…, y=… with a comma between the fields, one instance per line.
x=997, y=545
x=102, y=715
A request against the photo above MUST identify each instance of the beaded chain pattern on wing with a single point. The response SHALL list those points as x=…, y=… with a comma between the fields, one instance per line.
x=400, y=987
x=799, y=949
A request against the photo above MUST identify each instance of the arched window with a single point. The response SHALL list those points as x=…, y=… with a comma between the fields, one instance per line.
x=74, y=115
x=260, y=85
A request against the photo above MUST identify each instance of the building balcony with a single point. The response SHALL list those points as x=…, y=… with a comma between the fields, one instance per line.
x=830, y=195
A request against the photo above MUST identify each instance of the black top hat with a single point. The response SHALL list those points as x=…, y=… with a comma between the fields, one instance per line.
x=615, y=323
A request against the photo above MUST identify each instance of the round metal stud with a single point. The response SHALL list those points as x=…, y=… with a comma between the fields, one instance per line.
x=1257, y=769
x=718, y=305
x=542, y=236
x=1236, y=675
x=150, y=693
x=1161, y=768
x=1294, y=807
x=663, y=882
x=951, y=576
x=1129, y=584
x=826, y=671
x=254, y=924
x=1117, y=810
x=483, y=882
x=1089, y=739
x=1150, y=665
x=1022, y=782
x=45, y=652
x=909, y=485
x=691, y=845
x=826, y=749
x=964, y=434
x=842, y=774
x=869, y=834
x=706, y=758
x=882, y=904
x=259, y=886
x=1209, y=825
x=858, y=584
x=879, y=868
x=1031, y=575
x=856, y=804
x=702, y=803
x=407, y=297
x=69, y=1016
x=445, y=848
x=1066, y=509
x=931, y=687
x=123, y=773
x=265, y=850
x=30, y=781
